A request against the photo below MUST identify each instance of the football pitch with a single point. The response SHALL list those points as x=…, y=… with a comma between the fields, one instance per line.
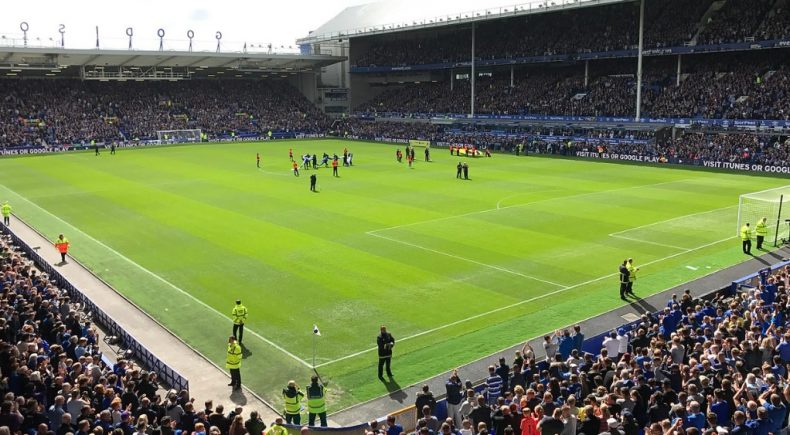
x=457, y=269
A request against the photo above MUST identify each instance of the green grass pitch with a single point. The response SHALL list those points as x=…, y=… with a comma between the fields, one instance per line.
x=457, y=269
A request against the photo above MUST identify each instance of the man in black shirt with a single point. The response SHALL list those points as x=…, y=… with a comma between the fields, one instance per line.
x=552, y=425
x=624, y=276
x=385, y=342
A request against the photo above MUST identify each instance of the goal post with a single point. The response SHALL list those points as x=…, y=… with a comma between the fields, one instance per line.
x=179, y=136
x=772, y=204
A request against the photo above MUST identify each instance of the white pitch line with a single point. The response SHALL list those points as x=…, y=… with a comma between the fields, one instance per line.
x=149, y=272
x=468, y=260
x=615, y=235
x=673, y=219
x=526, y=301
x=557, y=198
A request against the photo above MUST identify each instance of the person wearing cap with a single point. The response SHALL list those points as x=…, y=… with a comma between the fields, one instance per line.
x=316, y=402
x=239, y=315
x=6, y=209
x=277, y=428
x=292, y=396
x=233, y=363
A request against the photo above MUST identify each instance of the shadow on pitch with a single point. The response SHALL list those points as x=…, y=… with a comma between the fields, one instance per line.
x=238, y=397
x=641, y=306
x=245, y=351
x=395, y=391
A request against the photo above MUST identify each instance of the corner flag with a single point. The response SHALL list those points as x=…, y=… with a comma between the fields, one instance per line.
x=315, y=330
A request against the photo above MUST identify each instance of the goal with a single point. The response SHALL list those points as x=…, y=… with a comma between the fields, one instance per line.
x=178, y=136
x=772, y=204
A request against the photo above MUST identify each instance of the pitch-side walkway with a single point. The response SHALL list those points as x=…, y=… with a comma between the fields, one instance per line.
x=206, y=380
x=477, y=370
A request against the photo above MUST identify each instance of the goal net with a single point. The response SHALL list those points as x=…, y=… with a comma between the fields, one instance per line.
x=178, y=136
x=772, y=204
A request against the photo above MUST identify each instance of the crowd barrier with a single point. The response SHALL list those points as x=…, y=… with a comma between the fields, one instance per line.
x=125, y=340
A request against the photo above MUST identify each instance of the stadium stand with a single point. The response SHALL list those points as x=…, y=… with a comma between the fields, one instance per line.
x=727, y=87
x=716, y=366
x=38, y=112
x=601, y=29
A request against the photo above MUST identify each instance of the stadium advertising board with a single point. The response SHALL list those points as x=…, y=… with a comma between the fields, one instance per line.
x=439, y=118
x=745, y=167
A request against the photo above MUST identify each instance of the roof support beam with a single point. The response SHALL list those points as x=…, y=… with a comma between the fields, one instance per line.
x=127, y=61
x=199, y=61
x=167, y=59
x=91, y=59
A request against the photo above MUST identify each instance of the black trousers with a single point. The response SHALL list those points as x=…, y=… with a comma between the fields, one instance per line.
x=623, y=289
x=747, y=246
x=6, y=220
x=334, y=171
x=62, y=257
x=321, y=416
x=240, y=330
x=235, y=378
x=293, y=418
x=385, y=361
x=630, y=288
x=760, y=242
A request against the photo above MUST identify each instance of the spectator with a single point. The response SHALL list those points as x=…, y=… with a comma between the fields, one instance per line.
x=425, y=398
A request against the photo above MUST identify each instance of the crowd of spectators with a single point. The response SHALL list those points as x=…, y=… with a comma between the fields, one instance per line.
x=613, y=27
x=735, y=21
x=694, y=146
x=714, y=367
x=729, y=89
x=57, y=112
x=54, y=381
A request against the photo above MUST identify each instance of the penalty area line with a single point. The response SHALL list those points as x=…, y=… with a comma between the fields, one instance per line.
x=519, y=303
x=468, y=260
x=154, y=275
x=617, y=236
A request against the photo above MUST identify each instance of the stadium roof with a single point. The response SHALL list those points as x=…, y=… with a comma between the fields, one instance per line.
x=397, y=16
x=25, y=62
